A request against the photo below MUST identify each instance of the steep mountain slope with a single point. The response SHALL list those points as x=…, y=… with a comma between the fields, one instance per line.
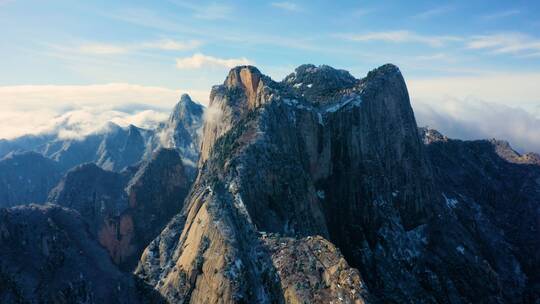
x=47, y=256
x=322, y=153
x=182, y=130
x=126, y=210
x=495, y=193
x=26, y=177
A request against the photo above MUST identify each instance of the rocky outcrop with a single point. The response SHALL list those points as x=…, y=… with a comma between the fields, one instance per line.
x=182, y=131
x=156, y=193
x=322, y=153
x=126, y=210
x=47, y=256
x=311, y=270
x=26, y=177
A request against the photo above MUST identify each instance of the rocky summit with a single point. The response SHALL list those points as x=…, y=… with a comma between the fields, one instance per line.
x=319, y=188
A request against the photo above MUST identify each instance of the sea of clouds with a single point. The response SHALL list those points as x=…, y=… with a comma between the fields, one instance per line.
x=499, y=107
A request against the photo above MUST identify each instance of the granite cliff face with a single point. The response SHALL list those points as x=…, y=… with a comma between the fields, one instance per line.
x=324, y=156
x=494, y=192
x=47, y=256
x=126, y=210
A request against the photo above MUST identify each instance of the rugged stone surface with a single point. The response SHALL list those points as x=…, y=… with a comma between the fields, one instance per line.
x=312, y=270
x=322, y=153
x=26, y=177
x=494, y=192
x=47, y=256
x=125, y=211
x=182, y=131
x=156, y=193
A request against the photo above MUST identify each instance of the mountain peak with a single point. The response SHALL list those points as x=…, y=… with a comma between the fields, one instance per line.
x=184, y=102
x=384, y=71
x=185, y=106
x=318, y=83
x=185, y=98
x=323, y=75
x=246, y=77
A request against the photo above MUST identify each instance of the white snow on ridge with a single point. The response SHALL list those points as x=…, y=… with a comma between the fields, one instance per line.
x=450, y=202
x=354, y=101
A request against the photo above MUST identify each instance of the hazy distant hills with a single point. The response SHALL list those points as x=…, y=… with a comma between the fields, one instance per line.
x=113, y=148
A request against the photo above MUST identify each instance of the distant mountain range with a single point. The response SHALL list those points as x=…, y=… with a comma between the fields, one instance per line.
x=113, y=149
x=319, y=188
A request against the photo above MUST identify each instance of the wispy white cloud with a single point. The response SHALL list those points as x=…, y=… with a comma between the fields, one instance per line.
x=199, y=60
x=206, y=11
x=61, y=96
x=78, y=110
x=213, y=11
x=163, y=44
x=434, y=12
x=74, y=124
x=4, y=2
x=359, y=12
x=490, y=105
x=285, y=5
x=477, y=119
x=501, y=14
x=507, y=43
x=514, y=89
x=102, y=49
x=402, y=37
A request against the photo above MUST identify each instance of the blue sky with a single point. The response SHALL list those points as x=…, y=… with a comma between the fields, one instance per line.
x=460, y=59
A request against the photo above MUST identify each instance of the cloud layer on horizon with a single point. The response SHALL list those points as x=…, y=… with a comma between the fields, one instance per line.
x=78, y=110
x=502, y=106
x=471, y=119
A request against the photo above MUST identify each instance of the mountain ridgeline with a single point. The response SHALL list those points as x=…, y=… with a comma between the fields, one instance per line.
x=319, y=188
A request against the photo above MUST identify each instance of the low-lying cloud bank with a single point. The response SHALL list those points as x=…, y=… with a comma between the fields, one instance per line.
x=75, y=111
x=74, y=124
x=476, y=119
x=490, y=106
x=503, y=106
